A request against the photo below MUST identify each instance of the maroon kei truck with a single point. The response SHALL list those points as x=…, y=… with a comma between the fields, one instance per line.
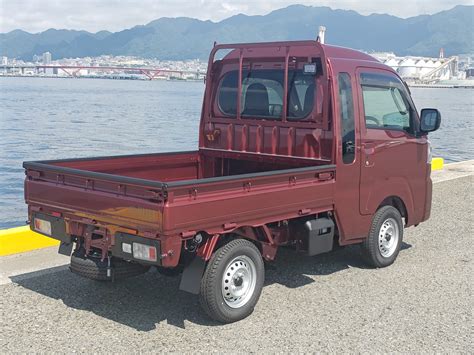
x=300, y=144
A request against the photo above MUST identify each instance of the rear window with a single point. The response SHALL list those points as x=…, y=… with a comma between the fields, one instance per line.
x=262, y=93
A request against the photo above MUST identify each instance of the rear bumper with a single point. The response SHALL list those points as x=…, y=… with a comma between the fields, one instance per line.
x=96, y=237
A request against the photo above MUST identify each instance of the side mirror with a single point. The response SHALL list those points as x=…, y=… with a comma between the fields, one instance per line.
x=430, y=119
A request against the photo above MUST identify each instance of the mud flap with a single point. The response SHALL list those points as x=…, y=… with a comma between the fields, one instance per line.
x=65, y=248
x=192, y=274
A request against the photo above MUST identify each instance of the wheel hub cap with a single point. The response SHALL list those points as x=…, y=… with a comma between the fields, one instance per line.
x=238, y=281
x=388, y=237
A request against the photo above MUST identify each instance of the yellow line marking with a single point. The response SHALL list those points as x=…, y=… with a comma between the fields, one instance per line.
x=21, y=239
x=437, y=164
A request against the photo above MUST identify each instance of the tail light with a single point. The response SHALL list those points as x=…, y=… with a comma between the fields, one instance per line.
x=144, y=252
x=42, y=226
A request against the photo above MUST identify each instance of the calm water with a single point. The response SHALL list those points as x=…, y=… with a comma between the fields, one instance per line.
x=65, y=118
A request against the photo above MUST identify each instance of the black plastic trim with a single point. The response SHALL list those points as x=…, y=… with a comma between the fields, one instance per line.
x=46, y=165
x=111, y=157
x=249, y=176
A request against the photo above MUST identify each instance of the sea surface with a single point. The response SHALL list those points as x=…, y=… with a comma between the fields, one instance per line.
x=49, y=118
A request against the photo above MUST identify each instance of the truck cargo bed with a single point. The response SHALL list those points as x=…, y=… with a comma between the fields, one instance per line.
x=177, y=193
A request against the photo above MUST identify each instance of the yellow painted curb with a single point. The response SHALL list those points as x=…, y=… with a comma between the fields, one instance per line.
x=21, y=239
x=437, y=164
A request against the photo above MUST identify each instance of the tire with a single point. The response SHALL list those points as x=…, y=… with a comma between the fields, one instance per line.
x=382, y=246
x=95, y=269
x=238, y=264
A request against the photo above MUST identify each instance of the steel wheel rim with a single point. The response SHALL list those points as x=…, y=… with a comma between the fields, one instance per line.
x=388, y=237
x=239, y=281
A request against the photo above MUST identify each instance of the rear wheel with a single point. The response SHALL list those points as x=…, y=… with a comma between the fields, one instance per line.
x=232, y=282
x=383, y=244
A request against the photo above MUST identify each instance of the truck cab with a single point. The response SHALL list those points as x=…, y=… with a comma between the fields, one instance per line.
x=301, y=144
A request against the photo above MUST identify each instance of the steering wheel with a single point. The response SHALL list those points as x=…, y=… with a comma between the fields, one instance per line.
x=373, y=119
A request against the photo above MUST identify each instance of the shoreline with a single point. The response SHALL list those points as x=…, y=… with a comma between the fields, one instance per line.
x=425, y=86
x=99, y=77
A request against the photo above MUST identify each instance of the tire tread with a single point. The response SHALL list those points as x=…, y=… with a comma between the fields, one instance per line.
x=370, y=248
x=211, y=279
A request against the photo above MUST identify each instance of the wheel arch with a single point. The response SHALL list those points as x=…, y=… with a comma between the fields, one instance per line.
x=398, y=203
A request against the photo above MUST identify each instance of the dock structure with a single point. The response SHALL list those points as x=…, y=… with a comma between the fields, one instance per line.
x=327, y=303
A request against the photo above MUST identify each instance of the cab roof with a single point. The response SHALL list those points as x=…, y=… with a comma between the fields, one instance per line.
x=331, y=51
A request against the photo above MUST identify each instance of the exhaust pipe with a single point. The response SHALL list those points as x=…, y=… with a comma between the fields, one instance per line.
x=322, y=31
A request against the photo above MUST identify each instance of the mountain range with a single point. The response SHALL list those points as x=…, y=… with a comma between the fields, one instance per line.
x=188, y=38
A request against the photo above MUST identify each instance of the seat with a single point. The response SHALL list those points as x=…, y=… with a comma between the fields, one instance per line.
x=256, y=101
x=308, y=100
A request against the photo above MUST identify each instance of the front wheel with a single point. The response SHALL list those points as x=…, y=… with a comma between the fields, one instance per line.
x=383, y=244
x=232, y=282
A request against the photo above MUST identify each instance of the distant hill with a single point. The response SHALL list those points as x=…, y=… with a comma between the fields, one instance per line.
x=187, y=38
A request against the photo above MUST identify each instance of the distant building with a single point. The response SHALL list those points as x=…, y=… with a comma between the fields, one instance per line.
x=4, y=60
x=421, y=69
x=46, y=58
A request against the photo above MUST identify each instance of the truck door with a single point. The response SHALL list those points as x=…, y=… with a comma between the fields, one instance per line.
x=393, y=158
x=347, y=160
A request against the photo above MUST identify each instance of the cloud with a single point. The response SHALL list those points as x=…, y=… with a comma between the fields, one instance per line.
x=114, y=15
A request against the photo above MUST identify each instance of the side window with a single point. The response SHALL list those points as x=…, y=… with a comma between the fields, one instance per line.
x=346, y=108
x=385, y=103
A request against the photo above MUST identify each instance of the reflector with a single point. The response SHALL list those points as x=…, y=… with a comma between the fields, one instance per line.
x=127, y=248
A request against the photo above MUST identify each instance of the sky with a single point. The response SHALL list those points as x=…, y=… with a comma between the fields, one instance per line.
x=115, y=15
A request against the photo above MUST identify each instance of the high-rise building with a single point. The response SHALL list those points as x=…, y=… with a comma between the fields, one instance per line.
x=4, y=60
x=46, y=58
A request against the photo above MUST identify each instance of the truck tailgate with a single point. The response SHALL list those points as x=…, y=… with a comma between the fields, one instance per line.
x=127, y=202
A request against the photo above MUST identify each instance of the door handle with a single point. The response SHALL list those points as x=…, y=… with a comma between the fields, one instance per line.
x=369, y=148
x=324, y=176
x=369, y=151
